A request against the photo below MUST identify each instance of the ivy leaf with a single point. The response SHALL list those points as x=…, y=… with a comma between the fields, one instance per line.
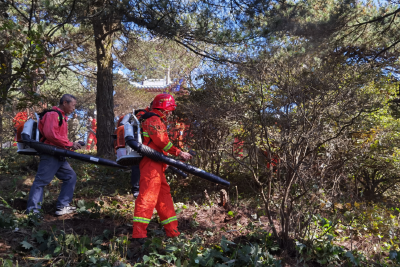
x=81, y=203
x=146, y=258
x=351, y=257
x=224, y=243
x=57, y=250
x=26, y=245
x=392, y=254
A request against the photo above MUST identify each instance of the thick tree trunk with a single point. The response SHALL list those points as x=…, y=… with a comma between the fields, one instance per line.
x=1, y=129
x=103, y=33
x=5, y=85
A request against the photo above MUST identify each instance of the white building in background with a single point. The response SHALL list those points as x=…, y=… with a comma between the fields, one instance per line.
x=166, y=85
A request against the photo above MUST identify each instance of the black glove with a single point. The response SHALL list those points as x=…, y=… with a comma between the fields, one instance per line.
x=82, y=143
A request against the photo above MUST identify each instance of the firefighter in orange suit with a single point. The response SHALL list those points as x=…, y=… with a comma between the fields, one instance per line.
x=154, y=191
x=18, y=121
x=92, y=134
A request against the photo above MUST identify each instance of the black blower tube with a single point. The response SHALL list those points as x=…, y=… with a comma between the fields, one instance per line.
x=177, y=171
x=55, y=151
x=157, y=156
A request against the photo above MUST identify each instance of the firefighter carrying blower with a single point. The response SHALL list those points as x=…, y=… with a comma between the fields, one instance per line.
x=54, y=129
x=154, y=191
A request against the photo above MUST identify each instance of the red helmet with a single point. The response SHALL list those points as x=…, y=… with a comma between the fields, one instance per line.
x=164, y=102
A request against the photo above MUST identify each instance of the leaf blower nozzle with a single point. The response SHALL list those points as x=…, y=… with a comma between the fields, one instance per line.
x=157, y=156
x=34, y=146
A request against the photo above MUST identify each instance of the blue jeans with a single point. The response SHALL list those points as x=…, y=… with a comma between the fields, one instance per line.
x=48, y=167
x=135, y=178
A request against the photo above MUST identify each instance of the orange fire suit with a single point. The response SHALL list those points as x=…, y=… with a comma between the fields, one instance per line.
x=238, y=147
x=154, y=191
x=142, y=112
x=19, y=120
x=92, y=136
x=177, y=133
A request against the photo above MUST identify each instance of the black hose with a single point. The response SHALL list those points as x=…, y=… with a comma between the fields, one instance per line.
x=157, y=156
x=55, y=151
x=177, y=171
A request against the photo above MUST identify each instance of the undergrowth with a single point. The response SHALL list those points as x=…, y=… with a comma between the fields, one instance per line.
x=344, y=234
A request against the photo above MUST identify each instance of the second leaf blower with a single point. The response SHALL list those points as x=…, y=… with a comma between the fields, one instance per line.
x=134, y=140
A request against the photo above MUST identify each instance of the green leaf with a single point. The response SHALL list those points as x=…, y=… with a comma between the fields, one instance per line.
x=146, y=258
x=225, y=243
x=92, y=259
x=171, y=248
x=392, y=254
x=81, y=203
x=351, y=257
x=26, y=245
x=57, y=250
x=7, y=263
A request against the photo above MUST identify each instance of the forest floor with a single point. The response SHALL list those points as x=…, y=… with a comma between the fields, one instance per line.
x=211, y=231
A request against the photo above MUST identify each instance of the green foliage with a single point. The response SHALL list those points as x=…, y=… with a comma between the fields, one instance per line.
x=323, y=251
x=184, y=252
x=6, y=163
x=7, y=220
x=6, y=263
x=153, y=59
x=81, y=250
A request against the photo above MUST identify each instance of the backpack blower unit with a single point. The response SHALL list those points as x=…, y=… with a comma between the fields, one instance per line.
x=28, y=127
x=126, y=156
x=28, y=138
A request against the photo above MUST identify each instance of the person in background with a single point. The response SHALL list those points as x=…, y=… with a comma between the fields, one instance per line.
x=92, y=128
x=19, y=118
x=50, y=166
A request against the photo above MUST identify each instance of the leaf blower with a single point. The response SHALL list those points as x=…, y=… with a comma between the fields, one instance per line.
x=133, y=139
x=125, y=154
x=28, y=138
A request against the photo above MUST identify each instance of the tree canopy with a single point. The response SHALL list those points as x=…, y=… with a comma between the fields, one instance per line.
x=295, y=102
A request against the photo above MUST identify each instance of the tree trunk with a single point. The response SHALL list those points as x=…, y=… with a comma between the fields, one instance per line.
x=103, y=33
x=1, y=129
x=5, y=85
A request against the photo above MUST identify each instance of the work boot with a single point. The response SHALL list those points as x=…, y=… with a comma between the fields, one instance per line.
x=135, y=192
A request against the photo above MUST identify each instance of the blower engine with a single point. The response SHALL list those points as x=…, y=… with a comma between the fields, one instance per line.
x=126, y=156
x=29, y=127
